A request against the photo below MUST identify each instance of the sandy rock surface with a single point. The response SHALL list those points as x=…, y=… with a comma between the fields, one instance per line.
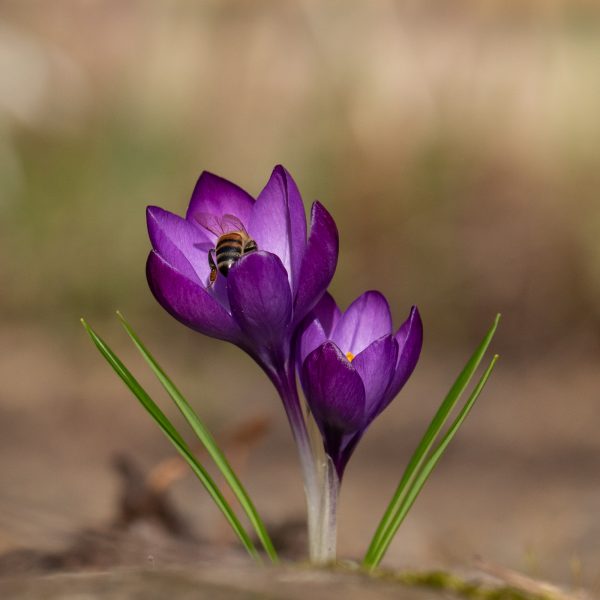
x=210, y=583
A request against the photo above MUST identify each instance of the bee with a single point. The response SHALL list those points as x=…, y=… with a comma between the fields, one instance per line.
x=232, y=243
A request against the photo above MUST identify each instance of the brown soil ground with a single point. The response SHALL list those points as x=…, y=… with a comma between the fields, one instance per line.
x=519, y=487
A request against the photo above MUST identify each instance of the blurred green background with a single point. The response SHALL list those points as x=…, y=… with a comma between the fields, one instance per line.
x=458, y=148
x=459, y=144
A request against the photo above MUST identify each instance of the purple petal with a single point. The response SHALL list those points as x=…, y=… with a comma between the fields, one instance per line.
x=376, y=365
x=311, y=338
x=319, y=262
x=367, y=319
x=217, y=196
x=327, y=312
x=317, y=326
x=334, y=390
x=178, y=242
x=348, y=444
x=278, y=222
x=260, y=298
x=219, y=291
x=410, y=340
x=189, y=302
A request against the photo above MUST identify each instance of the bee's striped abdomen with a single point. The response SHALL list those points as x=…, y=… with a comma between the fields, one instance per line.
x=229, y=249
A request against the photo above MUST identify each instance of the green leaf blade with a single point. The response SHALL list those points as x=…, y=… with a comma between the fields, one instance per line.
x=174, y=437
x=207, y=440
x=428, y=439
x=428, y=467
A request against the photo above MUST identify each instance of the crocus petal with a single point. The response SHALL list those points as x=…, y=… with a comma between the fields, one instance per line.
x=178, y=242
x=410, y=340
x=260, y=298
x=348, y=444
x=334, y=389
x=312, y=337
x=327, y=312
x=278, y=222
x=376, y=365
x=367, y=319
x=319, y=262
x=189, y=302
x=217, y=196
x=316, y=328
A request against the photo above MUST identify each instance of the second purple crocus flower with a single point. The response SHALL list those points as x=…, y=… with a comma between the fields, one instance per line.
x=352, y=365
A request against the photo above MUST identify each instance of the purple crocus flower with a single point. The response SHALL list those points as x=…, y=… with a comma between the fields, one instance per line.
x=352, y=366
x=266, y=293
x=261, y=299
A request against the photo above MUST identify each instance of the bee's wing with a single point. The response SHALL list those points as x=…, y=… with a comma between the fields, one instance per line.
x=210, y=222
x=232, y=223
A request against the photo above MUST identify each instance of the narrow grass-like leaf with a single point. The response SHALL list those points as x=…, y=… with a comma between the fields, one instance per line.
x=175, y=438
x=207, y=440
x=428, y=439
x=426, y=470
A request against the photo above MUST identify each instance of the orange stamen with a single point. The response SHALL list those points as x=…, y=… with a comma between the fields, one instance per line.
x=350, y=356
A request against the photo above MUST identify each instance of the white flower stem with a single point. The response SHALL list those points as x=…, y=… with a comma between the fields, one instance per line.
x=321, y=483
x=327, y=519
x=286, y=385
